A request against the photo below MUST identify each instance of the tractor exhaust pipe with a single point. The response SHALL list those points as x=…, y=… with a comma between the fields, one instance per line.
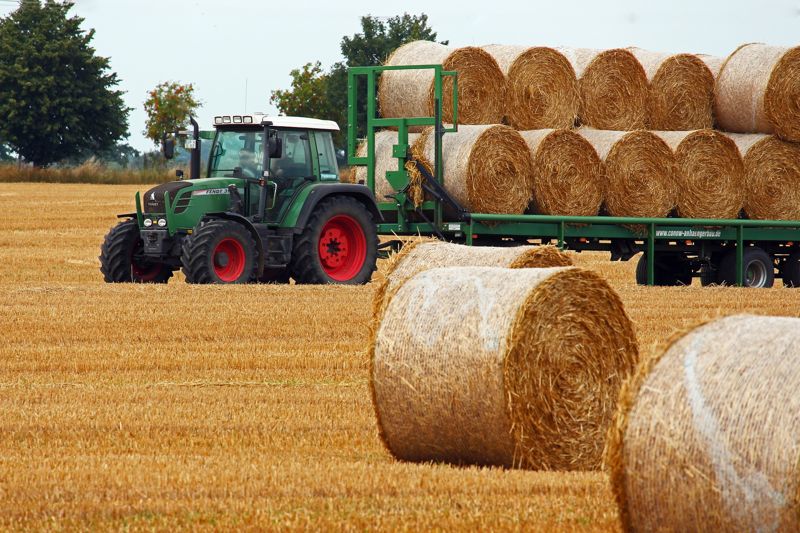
x=194, y=160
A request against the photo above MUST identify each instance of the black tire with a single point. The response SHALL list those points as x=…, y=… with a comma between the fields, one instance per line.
x=791, y=271
x=121, y=260
x=357, y=259
x=670, y=271
x=220, y=252
x=759, y=268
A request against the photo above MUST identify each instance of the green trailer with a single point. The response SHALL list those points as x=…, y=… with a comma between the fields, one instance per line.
x=733, y=252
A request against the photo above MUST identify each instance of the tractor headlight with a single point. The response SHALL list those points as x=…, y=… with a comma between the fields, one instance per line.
x=148, y=222
x=162, y=222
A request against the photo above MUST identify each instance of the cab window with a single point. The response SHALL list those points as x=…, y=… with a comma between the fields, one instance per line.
x=237, y=149
x=328, y=167
x=295, y=161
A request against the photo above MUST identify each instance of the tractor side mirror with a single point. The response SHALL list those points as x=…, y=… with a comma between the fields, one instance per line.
x=168, y=147
x=275, y=147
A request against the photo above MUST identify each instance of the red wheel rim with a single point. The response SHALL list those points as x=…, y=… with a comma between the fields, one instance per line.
x=342, y=248
x=228, y=259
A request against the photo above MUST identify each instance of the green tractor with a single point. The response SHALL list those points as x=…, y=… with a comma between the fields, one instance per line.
x=270, y=207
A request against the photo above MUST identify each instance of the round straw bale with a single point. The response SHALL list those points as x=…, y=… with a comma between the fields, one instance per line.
x=567, y=173
x=541, y=88
x=492, y=366
x=385, y=162
x=640, y=172
x=613, y=88
x=707, y=433
x=710, y=173
x=681, y=94
x=419, y=256
x=772, y=176
x=410, y=93
x=758, y=90
x=487, y=169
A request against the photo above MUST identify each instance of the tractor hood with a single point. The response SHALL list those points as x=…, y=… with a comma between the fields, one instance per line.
x=153, y=199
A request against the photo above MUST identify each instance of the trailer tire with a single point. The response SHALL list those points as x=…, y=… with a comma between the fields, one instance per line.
x=219, y=252
x=339, y=244
x=758, y=265
x=791, y=271
x=670, y=271
x=118, y=261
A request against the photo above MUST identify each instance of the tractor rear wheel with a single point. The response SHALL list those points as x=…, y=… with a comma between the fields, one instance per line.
x=338, y=245
x=122, y=261
x=219, y=251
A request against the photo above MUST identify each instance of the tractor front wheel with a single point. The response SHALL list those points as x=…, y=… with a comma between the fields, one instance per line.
x=122, y=260
x=338, y=245
x=219, y=251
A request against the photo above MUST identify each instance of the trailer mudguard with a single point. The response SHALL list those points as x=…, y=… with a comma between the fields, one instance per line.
x=304, y=204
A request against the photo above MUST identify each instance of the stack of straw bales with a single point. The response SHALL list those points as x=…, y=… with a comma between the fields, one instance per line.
x=680, y=167
x=495, y=366
x=707, y=433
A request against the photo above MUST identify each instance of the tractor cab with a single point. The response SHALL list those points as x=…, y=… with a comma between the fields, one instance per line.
x=303, y=153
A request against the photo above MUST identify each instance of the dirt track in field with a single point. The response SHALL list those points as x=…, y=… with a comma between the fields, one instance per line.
x=208, y=407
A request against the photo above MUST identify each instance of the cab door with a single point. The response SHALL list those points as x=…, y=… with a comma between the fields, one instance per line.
x=295, y=169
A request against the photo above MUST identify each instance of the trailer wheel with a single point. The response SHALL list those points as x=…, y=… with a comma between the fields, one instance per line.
x=121, y=258
x=670, y=271
x=338, y=245
x=759, y=268
x=219, y=251
x=791, y=271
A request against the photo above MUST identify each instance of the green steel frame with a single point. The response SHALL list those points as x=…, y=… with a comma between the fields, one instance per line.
x=738, y=232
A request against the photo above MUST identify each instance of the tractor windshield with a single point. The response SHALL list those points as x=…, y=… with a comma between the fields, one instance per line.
x=245, y=150
x=237, y=149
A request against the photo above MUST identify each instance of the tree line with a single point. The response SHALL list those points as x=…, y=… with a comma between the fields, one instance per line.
x=60, y=101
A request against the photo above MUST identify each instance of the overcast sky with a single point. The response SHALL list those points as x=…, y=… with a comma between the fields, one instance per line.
x=221, y=46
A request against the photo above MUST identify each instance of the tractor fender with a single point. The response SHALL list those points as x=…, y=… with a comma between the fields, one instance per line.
x=360, y=192
x=244, y=221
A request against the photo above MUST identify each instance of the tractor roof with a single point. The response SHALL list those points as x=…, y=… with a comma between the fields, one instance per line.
x=258, y=119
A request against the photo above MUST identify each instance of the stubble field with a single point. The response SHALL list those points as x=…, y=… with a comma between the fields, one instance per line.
x=160, y=407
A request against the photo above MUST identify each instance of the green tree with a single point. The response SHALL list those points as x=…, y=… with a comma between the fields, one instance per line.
x=168, y=108
x=308, y=96
x=318, y=94
x=57, y=97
